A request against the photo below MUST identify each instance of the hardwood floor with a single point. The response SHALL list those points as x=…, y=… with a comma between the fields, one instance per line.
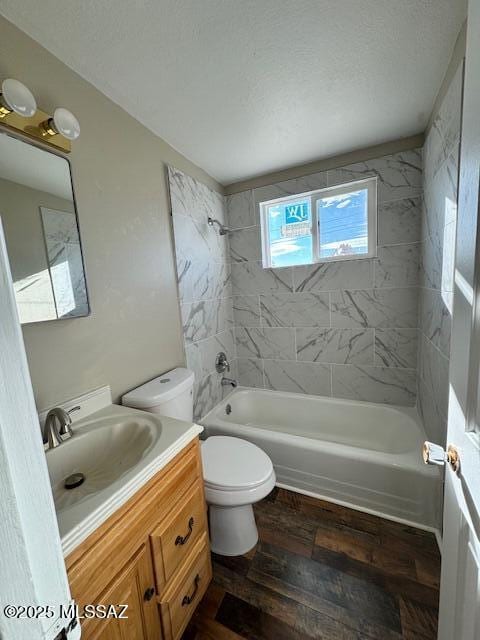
x=321, y=571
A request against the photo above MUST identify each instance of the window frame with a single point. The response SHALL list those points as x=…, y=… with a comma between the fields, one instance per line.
x=370, y=183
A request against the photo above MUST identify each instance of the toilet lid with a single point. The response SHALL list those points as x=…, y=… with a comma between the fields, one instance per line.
x=233, y=463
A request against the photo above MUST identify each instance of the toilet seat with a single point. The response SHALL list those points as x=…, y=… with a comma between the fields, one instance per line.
x=236, y=472
x=227, y=498
x=233, y=464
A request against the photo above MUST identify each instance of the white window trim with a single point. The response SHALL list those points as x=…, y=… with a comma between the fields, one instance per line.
x=370, y=183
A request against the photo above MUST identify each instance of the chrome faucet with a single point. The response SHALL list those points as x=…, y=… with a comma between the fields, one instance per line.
x=51, y=434
x=225, y=382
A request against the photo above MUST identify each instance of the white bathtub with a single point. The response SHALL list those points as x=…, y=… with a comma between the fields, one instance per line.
x=363, y=455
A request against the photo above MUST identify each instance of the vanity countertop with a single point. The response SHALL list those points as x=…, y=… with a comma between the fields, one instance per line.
x=115, y=473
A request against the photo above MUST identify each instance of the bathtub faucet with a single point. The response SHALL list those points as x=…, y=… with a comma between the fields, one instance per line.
x=228, y=381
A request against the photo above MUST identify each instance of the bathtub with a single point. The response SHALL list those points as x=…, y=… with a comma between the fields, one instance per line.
x=362, y=455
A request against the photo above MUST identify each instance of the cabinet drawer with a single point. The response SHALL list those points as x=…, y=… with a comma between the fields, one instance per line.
x=173, y=540
x=183, y=595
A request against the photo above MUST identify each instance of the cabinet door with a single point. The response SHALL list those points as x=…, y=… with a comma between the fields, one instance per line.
x=131, y=587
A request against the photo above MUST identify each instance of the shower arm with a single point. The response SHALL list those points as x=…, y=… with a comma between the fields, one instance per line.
x=223, y=230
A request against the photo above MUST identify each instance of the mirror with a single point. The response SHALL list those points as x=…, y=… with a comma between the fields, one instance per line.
x=37, y=209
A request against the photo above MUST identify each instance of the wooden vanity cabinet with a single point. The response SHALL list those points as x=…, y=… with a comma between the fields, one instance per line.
x=151, y=554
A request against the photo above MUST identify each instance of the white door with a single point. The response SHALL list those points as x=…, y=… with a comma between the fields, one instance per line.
x=34, y=591
x=459, y=616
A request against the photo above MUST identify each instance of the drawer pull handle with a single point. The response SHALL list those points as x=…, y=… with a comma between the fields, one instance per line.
x=149, y=593
x=183, y=540
x=189, y=599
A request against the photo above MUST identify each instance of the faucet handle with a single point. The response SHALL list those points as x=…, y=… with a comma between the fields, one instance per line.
x=221, y=362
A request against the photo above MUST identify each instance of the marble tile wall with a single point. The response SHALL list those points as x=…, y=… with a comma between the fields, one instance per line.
x=64, y=254
x=347, y=329
x=441, y=154
x=204, y=284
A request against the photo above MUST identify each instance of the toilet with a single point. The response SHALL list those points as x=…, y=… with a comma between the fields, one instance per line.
x=236, y=473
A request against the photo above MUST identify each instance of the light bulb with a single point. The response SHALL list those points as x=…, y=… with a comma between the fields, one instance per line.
x=65, y=123
x=18, y=98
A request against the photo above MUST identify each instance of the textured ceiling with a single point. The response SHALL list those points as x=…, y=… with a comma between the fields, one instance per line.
x=245, y=87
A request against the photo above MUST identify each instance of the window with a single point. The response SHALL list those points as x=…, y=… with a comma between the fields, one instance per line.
x=336, y=223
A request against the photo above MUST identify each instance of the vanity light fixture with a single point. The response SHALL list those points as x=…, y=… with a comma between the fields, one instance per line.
x=63, y=123
x=16, y=98
x=19, y=113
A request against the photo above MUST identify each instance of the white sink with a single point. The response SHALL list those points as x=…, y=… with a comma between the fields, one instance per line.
x=117, y=450
x=102, y=451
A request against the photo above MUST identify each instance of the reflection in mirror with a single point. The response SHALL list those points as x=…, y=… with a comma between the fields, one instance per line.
x=39, y=218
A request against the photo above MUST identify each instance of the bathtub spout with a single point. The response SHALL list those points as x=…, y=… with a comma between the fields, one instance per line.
x=229, y=382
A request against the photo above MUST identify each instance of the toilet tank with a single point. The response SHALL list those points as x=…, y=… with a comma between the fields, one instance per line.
x=169, y=395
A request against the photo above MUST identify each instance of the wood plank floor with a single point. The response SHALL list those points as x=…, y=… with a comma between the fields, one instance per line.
x=324, y=572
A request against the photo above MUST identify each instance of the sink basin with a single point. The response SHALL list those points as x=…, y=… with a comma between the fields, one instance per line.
x=102, y=450
x=116, y=450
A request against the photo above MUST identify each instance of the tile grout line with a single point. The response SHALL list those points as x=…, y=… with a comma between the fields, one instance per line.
x=295, y=343
x=330, y=364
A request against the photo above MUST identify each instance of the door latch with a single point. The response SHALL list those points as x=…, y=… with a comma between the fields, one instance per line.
x=436, y=455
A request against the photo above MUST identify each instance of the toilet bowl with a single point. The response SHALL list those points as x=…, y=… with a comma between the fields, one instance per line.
x=237, y=474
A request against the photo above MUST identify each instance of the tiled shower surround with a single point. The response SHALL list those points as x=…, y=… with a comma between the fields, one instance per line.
x=354, y=329
x=347, y=329
x=441, y=154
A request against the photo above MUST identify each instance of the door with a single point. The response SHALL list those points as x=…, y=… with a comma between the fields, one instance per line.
x=32, y=568
x=460, y=585
x=459, y=616
x=133, y=587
